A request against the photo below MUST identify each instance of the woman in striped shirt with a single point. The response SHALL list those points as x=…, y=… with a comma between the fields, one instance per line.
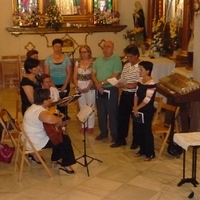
x=129, y=78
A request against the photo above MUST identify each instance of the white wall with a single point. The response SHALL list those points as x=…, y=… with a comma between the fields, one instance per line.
x=11, y=45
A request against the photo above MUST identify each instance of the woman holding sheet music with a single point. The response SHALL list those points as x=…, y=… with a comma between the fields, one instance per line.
x=84, y=84
x=144, y=103
x=129, y=78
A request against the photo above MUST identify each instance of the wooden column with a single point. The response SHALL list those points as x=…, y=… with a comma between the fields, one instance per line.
x=186, y=24
x=150, y=14
x=159, y=8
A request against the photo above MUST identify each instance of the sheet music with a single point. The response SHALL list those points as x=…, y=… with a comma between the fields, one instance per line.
x=84, y=113
x=105, y=95
x=66, y=100
x=139, y=118
x=114, y=81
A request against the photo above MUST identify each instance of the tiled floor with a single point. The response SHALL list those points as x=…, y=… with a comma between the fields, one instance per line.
x=120, y=176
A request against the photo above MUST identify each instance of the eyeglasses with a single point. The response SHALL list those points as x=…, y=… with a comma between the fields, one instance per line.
x=129, y=57
x=84, y=51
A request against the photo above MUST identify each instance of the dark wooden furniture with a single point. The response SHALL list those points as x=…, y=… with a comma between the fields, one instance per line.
x=180, y=100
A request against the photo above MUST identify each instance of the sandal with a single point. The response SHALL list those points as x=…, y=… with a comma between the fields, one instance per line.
x=59, y=162
x=138, y=155
x=149, y=158
x=66, y=170
x=32, y=158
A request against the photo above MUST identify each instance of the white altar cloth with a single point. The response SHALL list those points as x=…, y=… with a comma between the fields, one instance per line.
x=187, y=139
x=161, y=67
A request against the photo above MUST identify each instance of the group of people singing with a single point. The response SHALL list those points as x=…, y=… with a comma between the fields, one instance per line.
x=138, y=94
x=39, y=88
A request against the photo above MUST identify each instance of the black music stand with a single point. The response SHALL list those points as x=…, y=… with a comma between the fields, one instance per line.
x=85, y=156
x=65, y=102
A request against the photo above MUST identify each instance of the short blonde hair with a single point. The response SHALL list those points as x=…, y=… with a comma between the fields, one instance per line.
x=85, y=46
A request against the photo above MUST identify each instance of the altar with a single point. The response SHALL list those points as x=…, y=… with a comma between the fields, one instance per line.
x=162, y=67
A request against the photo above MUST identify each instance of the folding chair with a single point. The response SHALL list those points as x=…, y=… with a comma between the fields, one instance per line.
x=161, y=128
x=22, y=152
x=157, y=104
x=10, y=130
x=18, y=106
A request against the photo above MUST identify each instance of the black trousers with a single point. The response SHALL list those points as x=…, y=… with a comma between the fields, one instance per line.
x=145, y=135
x=124, y=112
x=62, y=151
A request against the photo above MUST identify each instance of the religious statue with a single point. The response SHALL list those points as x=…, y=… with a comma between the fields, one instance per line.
x=138, y=17
x=68, y=7
x=28, y=5
x=197, y=7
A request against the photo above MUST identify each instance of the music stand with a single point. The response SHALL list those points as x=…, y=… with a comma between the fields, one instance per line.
x=83, y=120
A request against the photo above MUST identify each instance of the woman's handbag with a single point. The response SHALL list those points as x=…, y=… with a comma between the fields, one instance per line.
x=6, y=153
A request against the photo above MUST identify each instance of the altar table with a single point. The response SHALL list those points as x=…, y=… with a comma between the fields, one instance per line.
x=161, y=67
x=185, y=140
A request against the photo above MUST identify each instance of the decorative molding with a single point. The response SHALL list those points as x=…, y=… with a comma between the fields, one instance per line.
x=29, y=46
x=87, y=29
x=100, y=44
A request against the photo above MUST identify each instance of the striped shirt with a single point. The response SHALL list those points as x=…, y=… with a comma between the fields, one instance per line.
x=130, y=74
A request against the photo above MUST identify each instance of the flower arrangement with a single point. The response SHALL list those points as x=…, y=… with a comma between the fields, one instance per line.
x=107, y=17
x=173, y=25
x=53, y=18
x=26, y=18
x=158, y=27
x=135, y=36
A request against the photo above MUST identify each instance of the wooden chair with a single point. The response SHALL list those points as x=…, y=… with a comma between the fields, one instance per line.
x=10, y=130
x=22, y=152
x=162, y=129
x=10, y=71
x=157, y=104
x=18, y=106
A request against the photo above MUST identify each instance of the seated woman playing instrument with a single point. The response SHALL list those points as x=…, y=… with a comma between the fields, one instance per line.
x=34, y=118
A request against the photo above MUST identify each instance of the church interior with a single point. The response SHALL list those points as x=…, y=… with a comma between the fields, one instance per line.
x=166, y=33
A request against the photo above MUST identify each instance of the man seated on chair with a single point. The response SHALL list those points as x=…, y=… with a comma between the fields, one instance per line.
x=34, y=117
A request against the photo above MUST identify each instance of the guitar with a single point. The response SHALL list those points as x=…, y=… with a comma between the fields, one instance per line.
x=55, y=133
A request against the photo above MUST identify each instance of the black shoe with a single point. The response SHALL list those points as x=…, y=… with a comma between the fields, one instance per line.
x=134, y=146
x=66, y=170
x=100, y=137
x=173, y=152
x=31, y=157
x=118, y=144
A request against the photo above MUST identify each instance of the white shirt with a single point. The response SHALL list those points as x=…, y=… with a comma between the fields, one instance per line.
x=54, y=93
x=34, y=127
